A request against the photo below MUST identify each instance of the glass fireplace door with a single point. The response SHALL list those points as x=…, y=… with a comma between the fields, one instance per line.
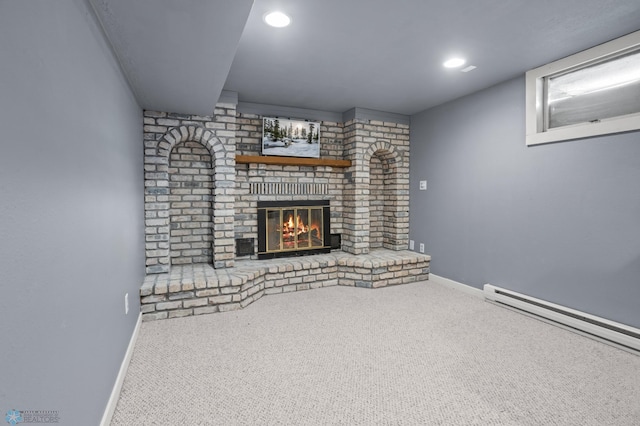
x=293, y=228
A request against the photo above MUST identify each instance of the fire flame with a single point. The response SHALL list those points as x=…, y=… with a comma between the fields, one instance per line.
x=295, y=231
x=290, y=226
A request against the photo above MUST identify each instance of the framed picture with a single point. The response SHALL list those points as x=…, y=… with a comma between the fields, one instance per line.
x=290, y=138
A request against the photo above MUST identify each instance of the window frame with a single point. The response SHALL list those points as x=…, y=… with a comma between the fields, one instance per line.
x=535, y=93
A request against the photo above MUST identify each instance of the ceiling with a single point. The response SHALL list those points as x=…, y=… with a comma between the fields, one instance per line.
x=176, y=54
x=374, y=54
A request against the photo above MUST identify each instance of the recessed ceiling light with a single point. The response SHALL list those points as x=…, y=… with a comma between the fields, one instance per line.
x=454, y=63
x=277, y=19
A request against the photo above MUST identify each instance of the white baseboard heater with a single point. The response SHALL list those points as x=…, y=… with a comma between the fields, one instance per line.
x=609, y=331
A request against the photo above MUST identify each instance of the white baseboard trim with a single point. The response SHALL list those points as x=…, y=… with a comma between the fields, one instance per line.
x=476, y=292
x=117, y=387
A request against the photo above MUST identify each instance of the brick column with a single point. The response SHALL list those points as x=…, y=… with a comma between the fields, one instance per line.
x=356, y=190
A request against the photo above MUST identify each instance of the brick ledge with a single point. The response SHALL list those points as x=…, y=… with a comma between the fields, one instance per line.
x=201, y=289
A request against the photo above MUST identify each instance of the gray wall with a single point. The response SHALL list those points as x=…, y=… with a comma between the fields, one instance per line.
x=560, y=222
x=71, y=211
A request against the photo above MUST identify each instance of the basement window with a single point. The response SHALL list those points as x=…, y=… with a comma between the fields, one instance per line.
x=594, y=92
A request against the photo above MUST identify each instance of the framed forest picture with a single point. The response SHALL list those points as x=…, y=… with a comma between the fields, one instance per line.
x=290, y=138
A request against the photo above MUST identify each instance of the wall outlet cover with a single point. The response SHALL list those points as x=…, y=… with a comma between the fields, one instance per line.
x=421, y=247
x=423, y=185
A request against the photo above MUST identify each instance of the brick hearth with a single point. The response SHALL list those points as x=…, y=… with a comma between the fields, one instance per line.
x=200, y=289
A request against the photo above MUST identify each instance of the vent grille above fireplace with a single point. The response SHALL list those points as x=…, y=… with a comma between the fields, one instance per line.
x=277, y=188
x=293, y=228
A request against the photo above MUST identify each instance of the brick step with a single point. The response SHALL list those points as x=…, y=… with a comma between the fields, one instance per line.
x=200, y=289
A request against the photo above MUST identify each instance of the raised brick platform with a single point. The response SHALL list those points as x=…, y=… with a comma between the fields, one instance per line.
x=201, y=289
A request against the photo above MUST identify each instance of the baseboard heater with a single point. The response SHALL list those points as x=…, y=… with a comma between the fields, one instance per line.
x=603, y=329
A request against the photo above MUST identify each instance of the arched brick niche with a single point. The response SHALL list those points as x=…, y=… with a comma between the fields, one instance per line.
x=381, y=201
x=190, y=204
x=376, y=186
x=388, y=198
x=158, y=196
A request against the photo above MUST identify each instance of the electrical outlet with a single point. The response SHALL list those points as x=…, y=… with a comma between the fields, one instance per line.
x=421, y=247
x=423, y=185
x=126, y=303
x=411, y=244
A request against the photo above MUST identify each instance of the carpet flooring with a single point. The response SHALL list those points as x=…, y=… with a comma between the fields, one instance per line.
x=413, y=354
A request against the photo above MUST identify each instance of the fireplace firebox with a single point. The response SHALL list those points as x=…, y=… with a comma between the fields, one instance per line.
x=293, y=228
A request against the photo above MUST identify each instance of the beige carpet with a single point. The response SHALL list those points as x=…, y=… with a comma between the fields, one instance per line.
x=413, y=354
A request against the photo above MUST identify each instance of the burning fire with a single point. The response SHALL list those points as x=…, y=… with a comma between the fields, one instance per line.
x=290, y=228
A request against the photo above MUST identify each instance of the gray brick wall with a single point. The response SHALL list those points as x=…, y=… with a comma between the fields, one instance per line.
x=369, y=200
x=190, y=202
x=377, y=203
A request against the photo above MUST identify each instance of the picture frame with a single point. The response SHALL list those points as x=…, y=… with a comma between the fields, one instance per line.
x=286, y=137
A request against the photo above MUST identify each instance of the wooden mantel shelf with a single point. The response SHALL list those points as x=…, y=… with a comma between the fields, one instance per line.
x=291, y=161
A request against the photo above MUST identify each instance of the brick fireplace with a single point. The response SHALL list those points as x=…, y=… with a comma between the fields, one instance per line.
x=199, y=200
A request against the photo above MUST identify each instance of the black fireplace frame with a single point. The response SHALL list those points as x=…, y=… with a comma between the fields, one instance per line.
x=262, y=228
